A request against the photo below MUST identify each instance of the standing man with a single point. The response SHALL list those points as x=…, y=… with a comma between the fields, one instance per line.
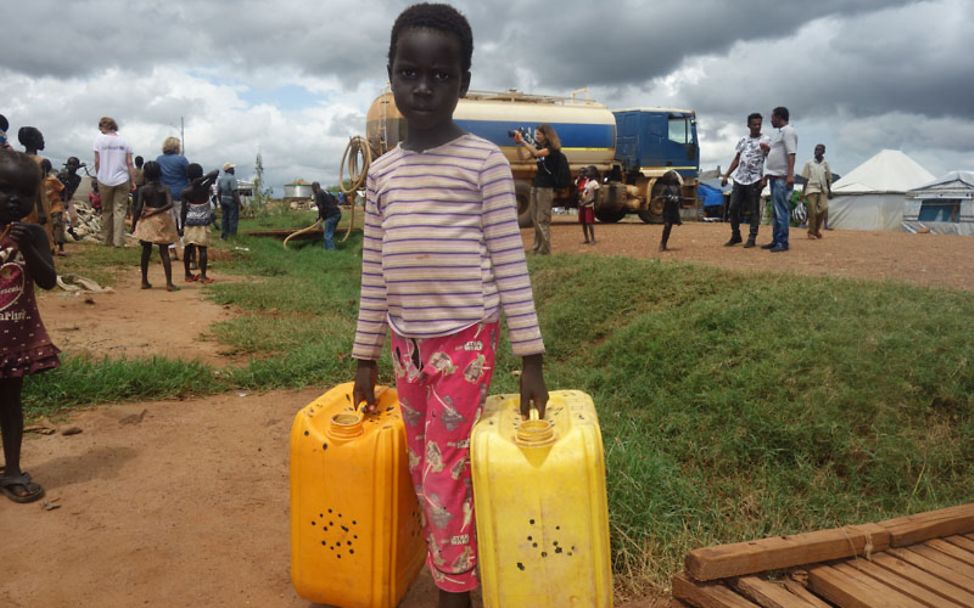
x=780, y=171
x=328, y=213
x=747, y=170
x=817, y=191
x=116, y=178
x=227, y=190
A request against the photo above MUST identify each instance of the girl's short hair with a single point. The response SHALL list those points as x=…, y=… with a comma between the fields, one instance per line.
x=551, y=137
x=440, y=17
x=194, y=171
x=27, y=171
x=152, y=171
x=107, y=122
x=171, y=145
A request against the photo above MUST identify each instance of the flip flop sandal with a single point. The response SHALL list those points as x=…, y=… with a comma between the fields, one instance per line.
x=34, y=491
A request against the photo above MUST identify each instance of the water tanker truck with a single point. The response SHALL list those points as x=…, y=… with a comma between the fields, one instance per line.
x=631, y=148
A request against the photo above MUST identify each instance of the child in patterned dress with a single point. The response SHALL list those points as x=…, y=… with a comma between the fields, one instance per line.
x=442, y=260
x=153, y=224
x=25, y=260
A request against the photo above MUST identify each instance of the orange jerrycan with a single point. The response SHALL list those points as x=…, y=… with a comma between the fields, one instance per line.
x=356, y=540
x=540, y=503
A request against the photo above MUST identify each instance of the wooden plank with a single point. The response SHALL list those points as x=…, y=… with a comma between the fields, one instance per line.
x=942, y=545
x=799, y=590
x=917, y=528
x=707, y=595
x=849, y=592
x=900, y=583
x=938, y=570
x=943, y=559
x=961, y=541
x=767, y=594
x=924, y=579
x=779, y=552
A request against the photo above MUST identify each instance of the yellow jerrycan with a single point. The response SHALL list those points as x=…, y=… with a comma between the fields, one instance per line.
x=540, y=503
x=356, y=537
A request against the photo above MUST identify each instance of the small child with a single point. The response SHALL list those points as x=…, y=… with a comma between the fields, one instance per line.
x=71, y=180
x=25, y=260
x=670, y=193
x=442, y=259
x=586, y=206
x=196, y=217
x=152, y=223
x=54, y=189
x=94, y=196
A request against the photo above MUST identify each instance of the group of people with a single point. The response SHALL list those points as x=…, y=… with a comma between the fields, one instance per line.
x=170, y=202
x=761, y=159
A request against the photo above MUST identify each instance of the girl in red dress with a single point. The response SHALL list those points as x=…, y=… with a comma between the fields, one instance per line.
x=25, y=259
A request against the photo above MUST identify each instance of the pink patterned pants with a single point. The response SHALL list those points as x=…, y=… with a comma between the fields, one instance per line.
x=442, y=384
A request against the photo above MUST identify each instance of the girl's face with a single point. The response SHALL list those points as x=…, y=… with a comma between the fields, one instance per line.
x=17, y=192
x=427, y=77
x=539, y=137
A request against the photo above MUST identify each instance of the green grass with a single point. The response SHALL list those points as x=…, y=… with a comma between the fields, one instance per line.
x=732, y=406
x=96, y=262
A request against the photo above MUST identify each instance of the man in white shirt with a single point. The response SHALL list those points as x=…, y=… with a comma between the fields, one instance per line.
x=780, y=172
x=747, y=170
x=116, y=178
x=817, y=191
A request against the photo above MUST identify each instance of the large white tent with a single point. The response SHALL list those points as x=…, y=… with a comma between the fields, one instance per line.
x=943, y=206
x=871, y=196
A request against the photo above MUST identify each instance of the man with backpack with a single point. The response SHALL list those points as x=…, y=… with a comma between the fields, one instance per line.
x=553, y=172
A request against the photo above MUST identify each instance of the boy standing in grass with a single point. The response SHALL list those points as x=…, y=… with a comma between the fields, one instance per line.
x=442, y=258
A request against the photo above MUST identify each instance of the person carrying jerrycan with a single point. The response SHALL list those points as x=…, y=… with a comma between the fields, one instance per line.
x=442, y=260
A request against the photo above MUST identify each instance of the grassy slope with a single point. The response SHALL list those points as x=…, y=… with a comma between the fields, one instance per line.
x=732, y=406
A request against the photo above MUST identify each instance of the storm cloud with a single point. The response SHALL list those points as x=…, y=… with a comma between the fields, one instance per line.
x=294, y=78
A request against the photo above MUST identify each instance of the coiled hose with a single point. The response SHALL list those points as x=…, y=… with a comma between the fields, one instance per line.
x=357, y=159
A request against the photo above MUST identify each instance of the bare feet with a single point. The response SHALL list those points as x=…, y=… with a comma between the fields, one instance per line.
x=171, y=287
x=146, y=285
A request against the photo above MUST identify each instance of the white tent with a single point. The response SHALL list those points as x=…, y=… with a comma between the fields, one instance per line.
x=943, y=206
x=871, y=196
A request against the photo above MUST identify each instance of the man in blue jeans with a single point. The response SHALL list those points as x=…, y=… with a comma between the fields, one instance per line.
x=227, y=192
x=780, y=172
x=328, y=212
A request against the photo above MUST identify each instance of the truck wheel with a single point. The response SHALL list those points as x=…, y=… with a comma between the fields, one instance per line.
x=610, y=216
x=648, y=217
x=525, y=214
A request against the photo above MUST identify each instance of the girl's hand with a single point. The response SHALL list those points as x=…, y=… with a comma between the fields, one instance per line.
x=533, y=389
x=20, y=233
x=366, y=375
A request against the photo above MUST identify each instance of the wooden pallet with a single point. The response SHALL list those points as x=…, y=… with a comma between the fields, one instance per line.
x=920, y=561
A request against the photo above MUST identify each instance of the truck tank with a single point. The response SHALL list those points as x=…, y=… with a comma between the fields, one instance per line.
x=587, y=130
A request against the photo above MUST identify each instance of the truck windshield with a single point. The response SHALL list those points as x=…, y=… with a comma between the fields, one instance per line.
x=680, y=130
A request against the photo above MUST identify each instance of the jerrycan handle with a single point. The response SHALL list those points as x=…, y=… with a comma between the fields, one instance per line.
x=535, y=432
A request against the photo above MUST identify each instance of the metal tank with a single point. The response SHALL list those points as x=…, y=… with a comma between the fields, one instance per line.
x=587, y=130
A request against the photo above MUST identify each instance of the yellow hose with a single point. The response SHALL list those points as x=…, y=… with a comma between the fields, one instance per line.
x=357, y=159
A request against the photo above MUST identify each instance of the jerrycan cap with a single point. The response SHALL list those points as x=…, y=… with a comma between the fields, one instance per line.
x=534, y=432
x=346, y=425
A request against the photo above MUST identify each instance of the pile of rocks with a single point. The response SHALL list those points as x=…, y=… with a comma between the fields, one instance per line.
x=88, y=226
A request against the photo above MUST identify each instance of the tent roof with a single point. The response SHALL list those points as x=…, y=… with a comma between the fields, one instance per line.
x=955, y=180
x=887, y=171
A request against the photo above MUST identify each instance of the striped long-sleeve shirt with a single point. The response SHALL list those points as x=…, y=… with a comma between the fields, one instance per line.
x=442, y=249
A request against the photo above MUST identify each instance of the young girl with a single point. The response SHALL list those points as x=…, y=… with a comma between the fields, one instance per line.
x=196, y=217
x=25, y=259
x=671, y=182
x=152, y=223
x=586, y=205
x=54, y=190
x=442, y=259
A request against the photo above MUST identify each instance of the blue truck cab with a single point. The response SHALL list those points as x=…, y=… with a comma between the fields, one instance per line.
x=652, y=141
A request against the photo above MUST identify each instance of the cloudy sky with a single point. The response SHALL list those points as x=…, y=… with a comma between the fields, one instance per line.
x=294, y=78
